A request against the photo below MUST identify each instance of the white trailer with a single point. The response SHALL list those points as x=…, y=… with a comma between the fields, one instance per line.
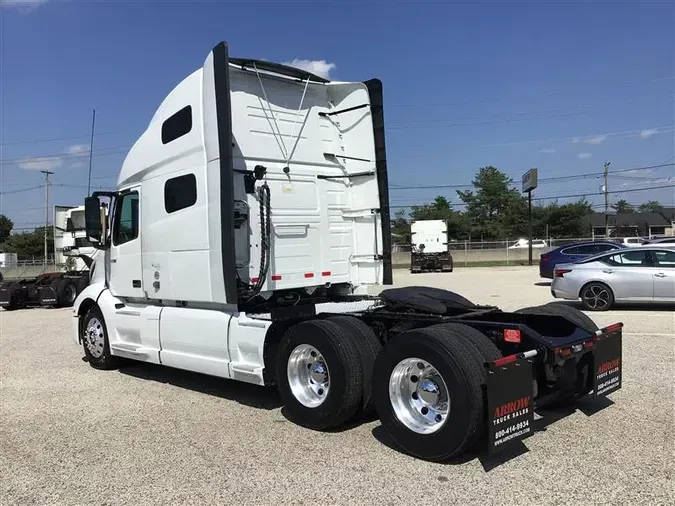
x=429, y=246
x=250, y=219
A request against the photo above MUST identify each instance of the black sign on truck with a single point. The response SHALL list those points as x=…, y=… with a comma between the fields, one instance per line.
x=510, y=404
x=607, y=365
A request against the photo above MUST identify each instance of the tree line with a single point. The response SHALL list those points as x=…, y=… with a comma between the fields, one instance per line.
x=495, y=210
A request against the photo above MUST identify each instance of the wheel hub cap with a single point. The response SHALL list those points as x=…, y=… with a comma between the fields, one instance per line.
x=419, y=396
x=94, y=338
x=308, y=376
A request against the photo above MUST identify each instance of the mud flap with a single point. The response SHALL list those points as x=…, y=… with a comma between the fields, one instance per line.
x=607, y=365
x=510, y=410
x=47, y=296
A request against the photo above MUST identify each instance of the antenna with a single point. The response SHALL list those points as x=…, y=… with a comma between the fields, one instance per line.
x=91, y=151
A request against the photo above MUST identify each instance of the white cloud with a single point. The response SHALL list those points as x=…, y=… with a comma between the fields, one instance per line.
x=22, y=5
x=598, y=139
x=585, y=156
x=549, y=151
x=78, y=150
x=648, y=132
x=74, y=152
x=576, y=140
x=319, y=67
x=41, y=163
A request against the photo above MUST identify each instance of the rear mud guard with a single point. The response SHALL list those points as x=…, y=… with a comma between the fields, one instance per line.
x=510, y=407
x=607, y=361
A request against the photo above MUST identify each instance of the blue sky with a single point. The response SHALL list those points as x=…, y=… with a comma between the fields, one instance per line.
x=562, y=86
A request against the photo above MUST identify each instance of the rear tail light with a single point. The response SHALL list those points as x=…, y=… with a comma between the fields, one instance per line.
x=559, y=273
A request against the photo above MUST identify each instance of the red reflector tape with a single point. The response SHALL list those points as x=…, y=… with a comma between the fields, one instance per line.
x=512, y=335
x=254, y=280
x=309, y=274
x=588, y=344
x=613, y=328
x=325, y=273
x=276, y=277
x=505, y=360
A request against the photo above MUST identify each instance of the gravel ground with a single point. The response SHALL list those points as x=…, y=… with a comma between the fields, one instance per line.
x=146, y=435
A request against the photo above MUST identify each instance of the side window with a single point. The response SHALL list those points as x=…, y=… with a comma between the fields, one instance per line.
x=177, y=125
x=126, y=219
x=574, y=250
x=601, y=248
x=180, y=192
x=665, y=258
x=630, y=259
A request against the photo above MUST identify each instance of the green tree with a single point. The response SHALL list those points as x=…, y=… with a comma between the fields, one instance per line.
x=495, y=209
x=650, y=207
x=400, y=228
x=623, y=206
x=565, y=221
x=31, y=244
x=441, y=209
x=6, y=226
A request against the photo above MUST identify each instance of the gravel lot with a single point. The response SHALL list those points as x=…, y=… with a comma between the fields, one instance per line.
x=146, y=435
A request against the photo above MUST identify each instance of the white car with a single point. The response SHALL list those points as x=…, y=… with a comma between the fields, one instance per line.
x=643, y=274
x=523, y=244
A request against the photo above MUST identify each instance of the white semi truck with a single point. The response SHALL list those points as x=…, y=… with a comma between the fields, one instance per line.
x=249, y=221
x=429, y=246
x=71, y=247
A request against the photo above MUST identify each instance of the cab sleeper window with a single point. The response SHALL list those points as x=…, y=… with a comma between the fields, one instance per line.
x=180, y=192
x=177, y=125
x=126, y=219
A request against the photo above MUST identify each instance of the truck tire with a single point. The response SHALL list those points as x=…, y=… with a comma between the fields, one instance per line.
x=319, y=374
x=94, y=335
x=424, y=369
x=572, y=314
x=369, y=347
x=66, y=292
x=487, y=349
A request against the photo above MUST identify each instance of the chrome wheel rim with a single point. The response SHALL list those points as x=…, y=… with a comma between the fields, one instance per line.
x=419, y=396
x=596, y=297
x=308, y=376
x=94, y=339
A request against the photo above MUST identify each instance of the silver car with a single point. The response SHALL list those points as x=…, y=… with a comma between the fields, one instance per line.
x=642, y=274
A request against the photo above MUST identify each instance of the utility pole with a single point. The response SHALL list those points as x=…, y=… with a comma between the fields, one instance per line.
x=91, y=151
x=47, y=183
x=605, y=191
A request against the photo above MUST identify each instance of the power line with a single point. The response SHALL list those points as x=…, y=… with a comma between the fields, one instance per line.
x=545, y=179
x=53, y=139
x=555, y=197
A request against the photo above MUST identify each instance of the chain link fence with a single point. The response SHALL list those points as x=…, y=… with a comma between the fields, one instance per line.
x=507, y=252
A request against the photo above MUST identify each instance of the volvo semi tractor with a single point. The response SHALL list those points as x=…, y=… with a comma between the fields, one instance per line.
x=429, y=246
x=248, y=235
x=72, y=257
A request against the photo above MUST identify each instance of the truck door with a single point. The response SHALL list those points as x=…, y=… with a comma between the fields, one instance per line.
x=125, y=273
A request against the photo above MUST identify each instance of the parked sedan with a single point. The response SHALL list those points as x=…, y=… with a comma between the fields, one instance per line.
x=642, y=274
x=573, y=252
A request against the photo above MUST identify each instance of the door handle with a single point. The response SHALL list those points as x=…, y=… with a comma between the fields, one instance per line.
x=608, y=271
x=660, y=275
x=113, y=260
